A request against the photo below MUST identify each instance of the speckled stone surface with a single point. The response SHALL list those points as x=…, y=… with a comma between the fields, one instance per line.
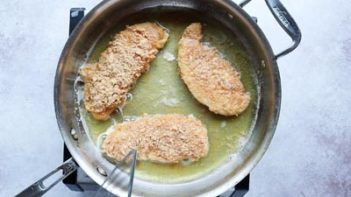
x=310, y=154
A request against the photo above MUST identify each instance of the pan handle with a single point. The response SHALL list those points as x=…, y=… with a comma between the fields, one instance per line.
x=38, y=188
x=286, y=21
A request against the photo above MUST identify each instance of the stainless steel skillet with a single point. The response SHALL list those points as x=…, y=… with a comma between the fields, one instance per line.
x=109, y=13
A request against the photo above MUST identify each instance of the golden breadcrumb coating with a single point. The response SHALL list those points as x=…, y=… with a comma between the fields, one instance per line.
x=127, y=56
x=167, y=138
x=211, y=79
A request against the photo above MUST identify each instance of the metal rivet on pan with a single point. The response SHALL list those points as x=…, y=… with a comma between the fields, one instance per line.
x=79, y=82
x=230, y=16
x=101, y=171
x=74, y=134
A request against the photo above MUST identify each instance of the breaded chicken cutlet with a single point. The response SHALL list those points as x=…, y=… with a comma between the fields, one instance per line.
x=127, y=56
x=169, y=138
x=211, y=79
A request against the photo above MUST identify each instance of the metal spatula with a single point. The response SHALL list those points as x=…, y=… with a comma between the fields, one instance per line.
x=130, y=159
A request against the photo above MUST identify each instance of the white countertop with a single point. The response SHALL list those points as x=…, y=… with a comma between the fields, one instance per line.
x=310, y=154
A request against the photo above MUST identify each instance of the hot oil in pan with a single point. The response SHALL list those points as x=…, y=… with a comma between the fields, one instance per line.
x=161, y=91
